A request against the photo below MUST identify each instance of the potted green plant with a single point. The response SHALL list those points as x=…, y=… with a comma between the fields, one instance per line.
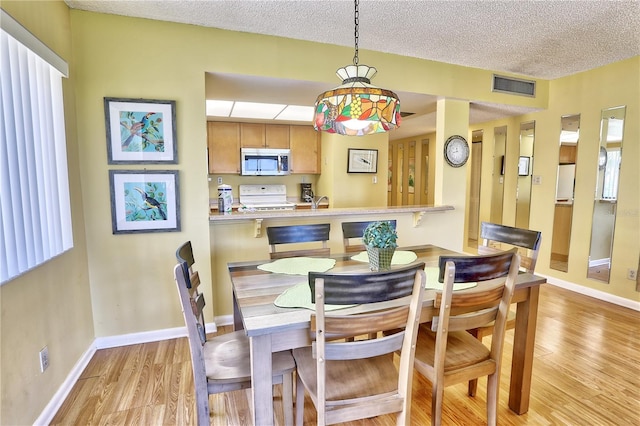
x=380, y=239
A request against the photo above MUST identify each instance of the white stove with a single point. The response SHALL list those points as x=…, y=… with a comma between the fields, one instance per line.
x=265, y=197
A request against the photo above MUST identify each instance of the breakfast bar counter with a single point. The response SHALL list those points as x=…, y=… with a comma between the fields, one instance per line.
x=326, y=212
x=241, y=236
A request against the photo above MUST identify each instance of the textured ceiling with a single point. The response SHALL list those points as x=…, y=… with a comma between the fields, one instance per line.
x=539, y=39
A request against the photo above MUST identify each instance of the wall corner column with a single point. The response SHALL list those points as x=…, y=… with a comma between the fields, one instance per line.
x=452, y=118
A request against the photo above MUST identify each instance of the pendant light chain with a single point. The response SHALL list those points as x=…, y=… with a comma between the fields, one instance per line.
x=355, y=33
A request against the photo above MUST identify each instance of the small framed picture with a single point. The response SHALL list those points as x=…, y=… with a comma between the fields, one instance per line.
x=144, y=201
x=362, y=161
x=140, y=131
x=523, y=166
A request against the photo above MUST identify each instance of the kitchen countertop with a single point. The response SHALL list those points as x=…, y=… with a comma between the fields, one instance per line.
x=421, y=209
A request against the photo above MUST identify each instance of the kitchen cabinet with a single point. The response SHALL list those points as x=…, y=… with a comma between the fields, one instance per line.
x=567, y=154
x=259, y=135
x=225, y=139
x=223, y=142
x=276, y=136
x=252, y=135
x=304, y=142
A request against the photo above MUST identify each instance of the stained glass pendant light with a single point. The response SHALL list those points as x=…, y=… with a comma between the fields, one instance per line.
x=357, y=107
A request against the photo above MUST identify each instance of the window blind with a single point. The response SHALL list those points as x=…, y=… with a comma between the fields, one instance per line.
x=35, y=212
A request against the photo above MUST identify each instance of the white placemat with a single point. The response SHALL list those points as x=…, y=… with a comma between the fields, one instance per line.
x=299, y=296
x=298, y=265
x=400, y=257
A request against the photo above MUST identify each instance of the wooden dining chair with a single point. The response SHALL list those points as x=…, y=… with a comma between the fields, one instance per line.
x=354, y=230
x=497, y=238
x=445, y=353
x=221, y=363
x=299, y=234
x=358, y=379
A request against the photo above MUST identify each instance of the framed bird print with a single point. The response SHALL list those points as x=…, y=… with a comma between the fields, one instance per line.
x=144, y=201
x=140, y=131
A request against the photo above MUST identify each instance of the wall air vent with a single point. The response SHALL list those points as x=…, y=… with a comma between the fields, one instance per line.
x=513, y=86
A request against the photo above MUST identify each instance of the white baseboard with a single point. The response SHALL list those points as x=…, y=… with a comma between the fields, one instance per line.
x=146, y=336
x=63, y=391
x=596, y=294
x=102, y=343
x=225, y=320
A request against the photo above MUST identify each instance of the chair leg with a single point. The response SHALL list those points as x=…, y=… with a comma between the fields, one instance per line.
x=436, y=405
x=287, y=398
x=299, y=401
x=473, y=384
x=473, y=387
x=493, y=386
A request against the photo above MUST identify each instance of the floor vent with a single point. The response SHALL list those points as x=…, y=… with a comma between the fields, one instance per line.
x=513, y=86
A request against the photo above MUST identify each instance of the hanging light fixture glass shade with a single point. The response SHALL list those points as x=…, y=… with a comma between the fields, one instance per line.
x=357, y=107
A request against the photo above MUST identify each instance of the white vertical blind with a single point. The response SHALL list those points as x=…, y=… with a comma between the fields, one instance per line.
x=35, y=211
x=612, y=174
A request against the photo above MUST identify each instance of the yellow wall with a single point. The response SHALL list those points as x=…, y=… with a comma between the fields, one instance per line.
x=172, y=65
x=51, y=304
x=131, y=287
x=586, y=94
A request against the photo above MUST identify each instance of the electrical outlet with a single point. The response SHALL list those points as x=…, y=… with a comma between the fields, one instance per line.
x=219, y=180
x=632, y=274
x=536, y=180
x=44, y=359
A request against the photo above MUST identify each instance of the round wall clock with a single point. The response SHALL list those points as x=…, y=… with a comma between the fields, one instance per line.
x=456, y=151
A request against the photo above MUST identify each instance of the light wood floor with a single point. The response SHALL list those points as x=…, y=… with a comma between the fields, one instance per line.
x=586, y=372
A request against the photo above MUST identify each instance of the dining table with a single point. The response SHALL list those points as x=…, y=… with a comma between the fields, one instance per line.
x=273, y=326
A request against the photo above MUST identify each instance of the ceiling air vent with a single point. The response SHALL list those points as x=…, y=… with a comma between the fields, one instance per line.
x=513, y=86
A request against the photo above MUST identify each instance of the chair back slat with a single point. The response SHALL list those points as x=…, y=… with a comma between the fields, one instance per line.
x=342, y=326
x=352, y=230
x=348, y=289
x=477, y=268
x=494, y=236
x=298, y=234
x=364, y=349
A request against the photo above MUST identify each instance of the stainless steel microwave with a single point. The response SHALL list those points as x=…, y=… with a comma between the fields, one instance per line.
x=265, y=161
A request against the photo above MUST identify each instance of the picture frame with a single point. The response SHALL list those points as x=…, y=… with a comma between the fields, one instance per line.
x=523, y=166
x=362, y=161
x=140, y=131
x=144, y=201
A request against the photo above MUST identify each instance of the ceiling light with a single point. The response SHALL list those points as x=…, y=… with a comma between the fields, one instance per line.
x=256, y=110
x=219, y=108
x=296, y=113
x=357, y=107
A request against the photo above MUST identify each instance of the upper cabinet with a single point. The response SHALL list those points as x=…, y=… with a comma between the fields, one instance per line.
x=224, y=140
x=276, y=136
x=568, y=154
x=305, y=150
x=258, y=135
